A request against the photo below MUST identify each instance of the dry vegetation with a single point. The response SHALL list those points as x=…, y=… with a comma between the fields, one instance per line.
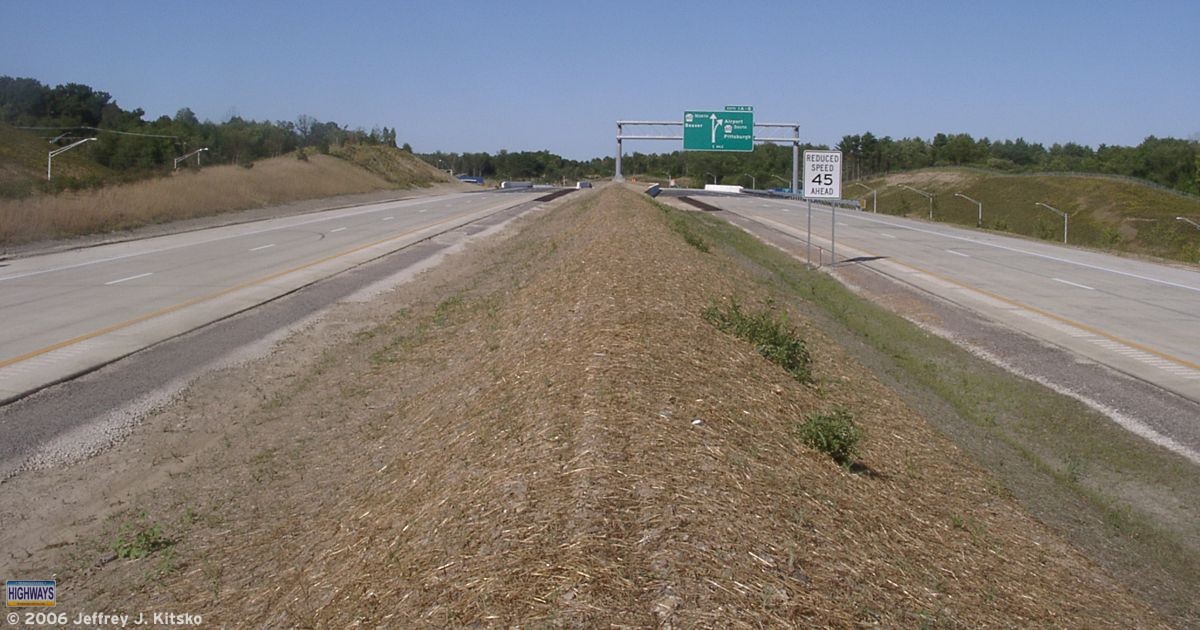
x=212, y=190
x=547, y=432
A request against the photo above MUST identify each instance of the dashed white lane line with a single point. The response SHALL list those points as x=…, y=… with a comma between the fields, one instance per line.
x=388, y=218
x=140, y=275
x=260, y=247
x=958, y=253
x=336, y=230
x=1074, y=284
x=887, y=235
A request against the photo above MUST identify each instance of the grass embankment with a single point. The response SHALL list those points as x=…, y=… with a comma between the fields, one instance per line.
x=23, y=166
x=191, y=193
x=561, y=437
x=1130, y=505
x=1104, y=213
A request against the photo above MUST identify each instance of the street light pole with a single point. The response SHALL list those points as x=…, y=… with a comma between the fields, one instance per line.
x=979, y=222
x=184, y=157
x=712, y=176
x=927, y=195
x=874, y=195
x=50, y=155
x=753, y=181
x=1189, y=222
x=1056, y=211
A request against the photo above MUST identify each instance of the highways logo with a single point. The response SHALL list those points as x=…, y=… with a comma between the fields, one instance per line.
x=29, y=593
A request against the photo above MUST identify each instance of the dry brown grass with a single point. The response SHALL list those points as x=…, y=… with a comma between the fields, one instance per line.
x=188, y=194
x=559, y=439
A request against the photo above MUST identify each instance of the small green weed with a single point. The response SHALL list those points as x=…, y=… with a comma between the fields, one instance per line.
x=138, y=540
x=773, y=338
x=833, y=433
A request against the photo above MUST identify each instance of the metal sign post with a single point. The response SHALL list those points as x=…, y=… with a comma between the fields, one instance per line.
x=808, y=244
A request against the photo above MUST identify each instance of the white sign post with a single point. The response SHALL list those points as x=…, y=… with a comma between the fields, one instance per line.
x=823, y=180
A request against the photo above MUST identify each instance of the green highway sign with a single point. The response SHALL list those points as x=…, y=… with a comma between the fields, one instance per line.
x=719, y=131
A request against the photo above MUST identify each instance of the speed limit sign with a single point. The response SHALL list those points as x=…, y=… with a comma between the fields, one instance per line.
x=823, y=174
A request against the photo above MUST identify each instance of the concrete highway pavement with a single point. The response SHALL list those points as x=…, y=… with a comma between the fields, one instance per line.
x=69, y=312
x=1140, y=317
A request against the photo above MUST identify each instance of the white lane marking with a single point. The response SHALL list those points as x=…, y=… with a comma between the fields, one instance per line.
x=887, y=235
x=140, y=275
x=958, y=253
x=1074, y=284
x=336, y=230
x=840, y=224
x=388, y=218
x=254, y=249
x=1018, y=250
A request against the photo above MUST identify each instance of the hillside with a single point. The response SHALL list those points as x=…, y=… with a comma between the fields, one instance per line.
x=1115, y=214
x=548, y=431
x=211, y=190
x=23, y=165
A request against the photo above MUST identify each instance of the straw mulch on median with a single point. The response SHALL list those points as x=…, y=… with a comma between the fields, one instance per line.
x=560, y=439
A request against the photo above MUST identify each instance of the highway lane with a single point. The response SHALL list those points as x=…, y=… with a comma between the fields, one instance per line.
x=1139, y=317
x=69, y=311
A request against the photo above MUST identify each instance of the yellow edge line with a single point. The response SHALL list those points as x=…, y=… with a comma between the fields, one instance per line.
x=1034, y=309
x=204, y=298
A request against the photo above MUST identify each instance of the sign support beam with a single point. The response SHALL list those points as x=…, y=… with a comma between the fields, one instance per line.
x=619, y=176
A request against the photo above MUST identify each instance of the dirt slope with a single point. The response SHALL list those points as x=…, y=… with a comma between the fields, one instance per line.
x=545, y=432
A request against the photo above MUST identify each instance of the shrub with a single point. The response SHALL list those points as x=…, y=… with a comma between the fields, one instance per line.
x=833, y=433
x=774, y=339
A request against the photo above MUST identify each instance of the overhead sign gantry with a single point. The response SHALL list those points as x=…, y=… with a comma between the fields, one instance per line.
x=731, y=129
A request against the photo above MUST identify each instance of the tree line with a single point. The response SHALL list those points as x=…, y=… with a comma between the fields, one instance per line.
x=1171, y=162
x=126, y=141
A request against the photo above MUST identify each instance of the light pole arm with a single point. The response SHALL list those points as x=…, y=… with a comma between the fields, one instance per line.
x=1058, y=212
x=979, y=221
x=50, y=155
x=184, y=157
x=927, y=195
x=70, y=146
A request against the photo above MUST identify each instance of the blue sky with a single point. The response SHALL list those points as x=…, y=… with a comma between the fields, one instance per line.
x=482, y=76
